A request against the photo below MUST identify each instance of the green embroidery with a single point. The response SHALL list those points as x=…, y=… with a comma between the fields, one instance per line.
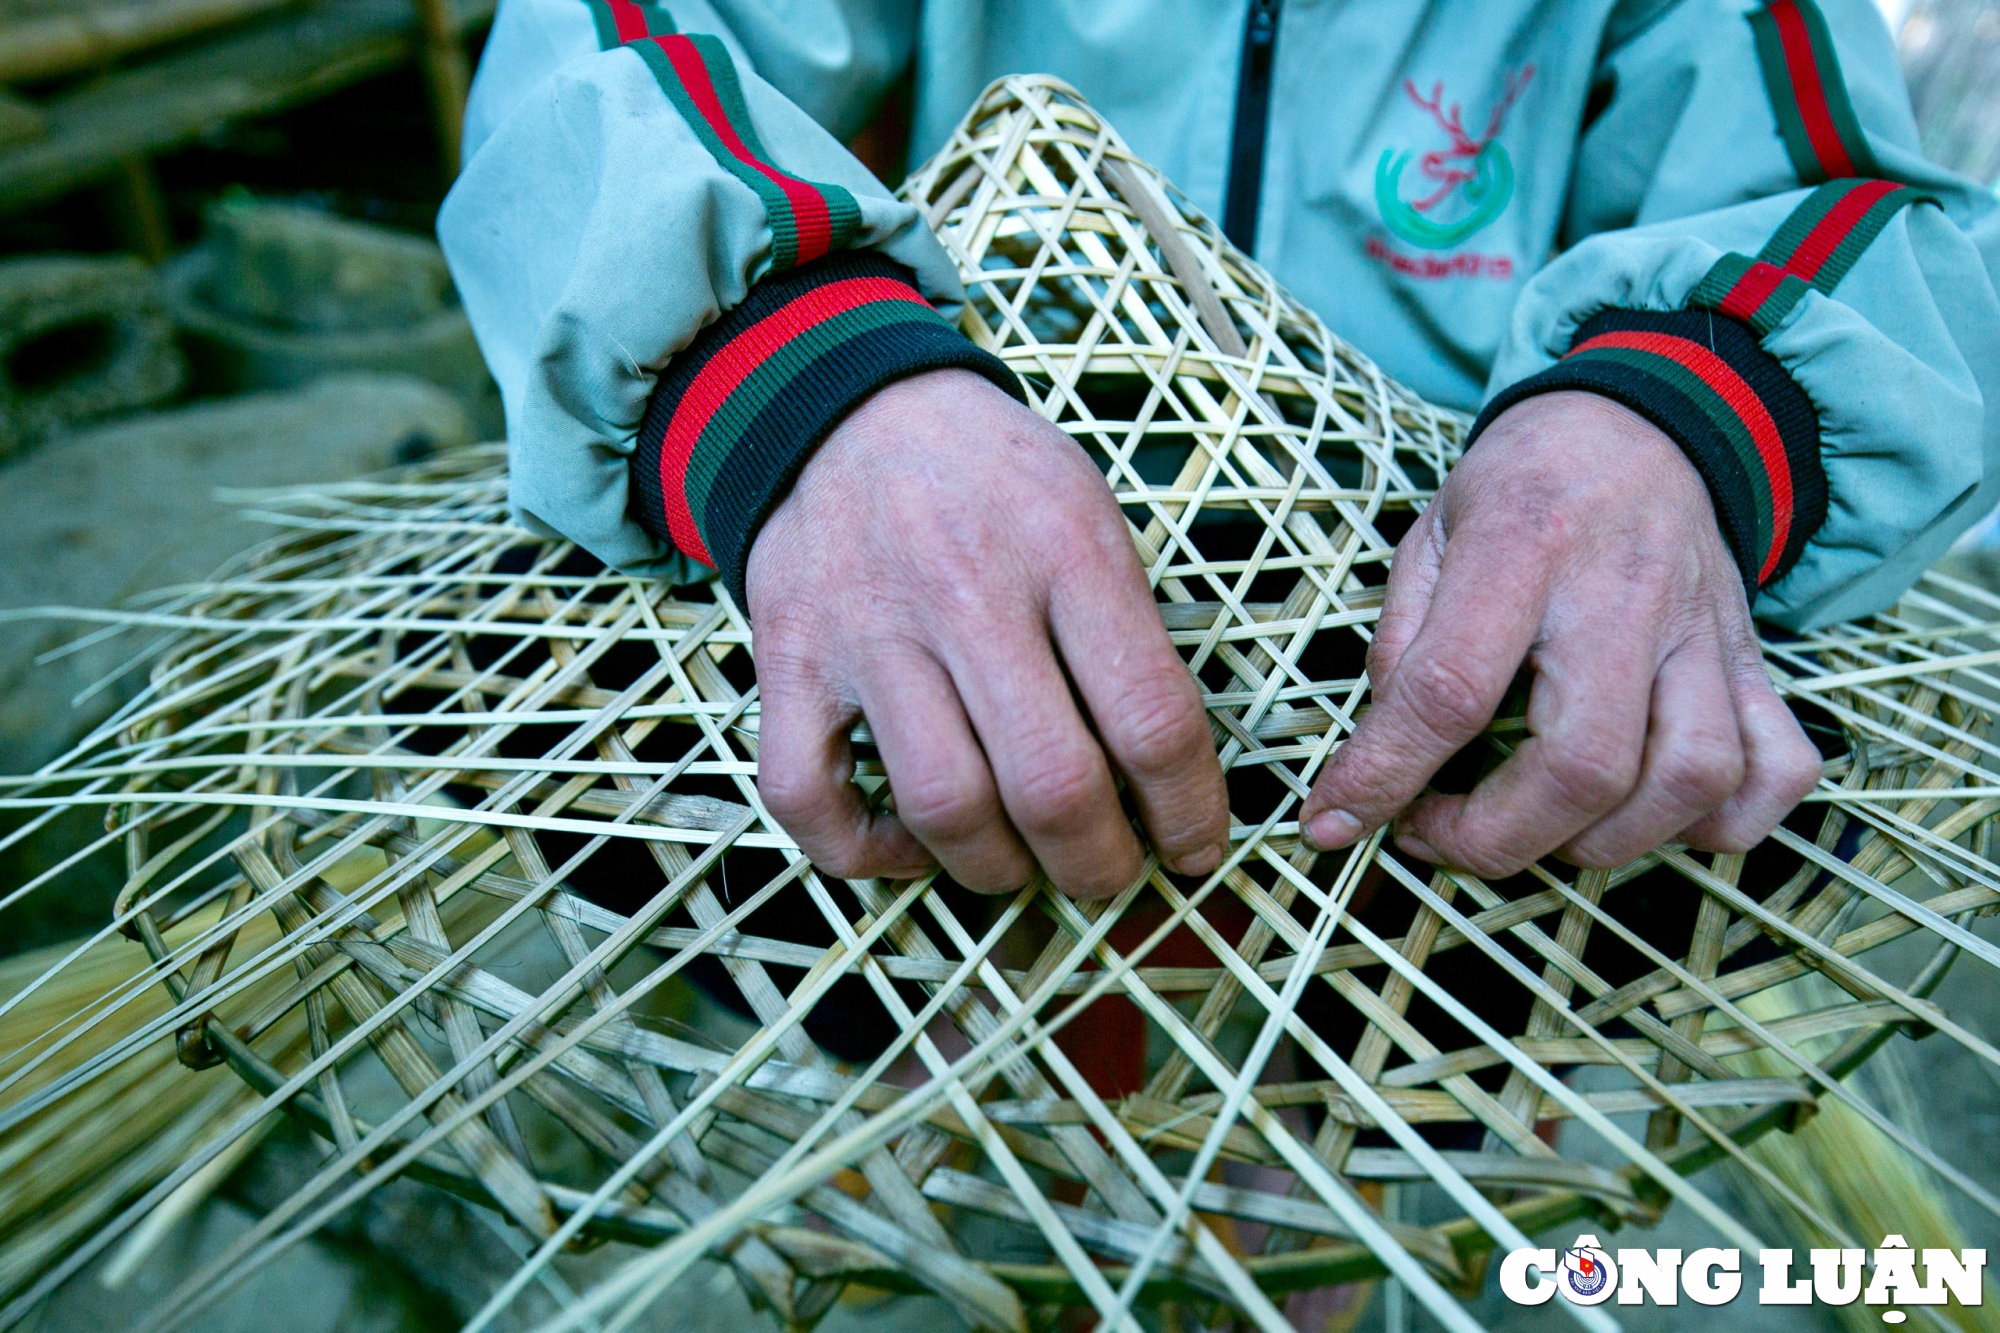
x=1476, y=175
x=1488, y=192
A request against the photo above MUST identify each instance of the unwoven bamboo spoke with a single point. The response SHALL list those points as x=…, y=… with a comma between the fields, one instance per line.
x=314, y=1069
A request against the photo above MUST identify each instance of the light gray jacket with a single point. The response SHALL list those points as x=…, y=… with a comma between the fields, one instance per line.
x=1456, y=186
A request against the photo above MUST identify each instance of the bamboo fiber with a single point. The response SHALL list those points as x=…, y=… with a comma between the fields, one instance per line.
x=375, y=750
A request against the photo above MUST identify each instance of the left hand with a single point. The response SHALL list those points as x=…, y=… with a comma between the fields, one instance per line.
x=1575, y=539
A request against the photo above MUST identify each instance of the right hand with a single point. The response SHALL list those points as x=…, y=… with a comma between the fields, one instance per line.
x=953, y=568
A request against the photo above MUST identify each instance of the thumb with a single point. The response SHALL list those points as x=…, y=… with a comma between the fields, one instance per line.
x=1484, y=611
x=1413, y=576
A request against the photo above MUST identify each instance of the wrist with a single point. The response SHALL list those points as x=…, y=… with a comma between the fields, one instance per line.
x=1728, y=405
x=740, y=410
x=1578, y=456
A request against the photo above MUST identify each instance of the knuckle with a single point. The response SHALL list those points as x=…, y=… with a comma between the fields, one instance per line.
x=1159, y=728
x=790, y=794
x=1701, y=777
x=842, y=861
x=1744, y=659
x=1730, y=838
x=790, y=656
x=1096, y=884
x=1659, y=534
x=943, y=807
x=1652, y=560
x=1799, y=770
x=1594, y=855
x=1056, y=793
x=782, y=625
x=1488, y=859
x=1444, y=698
x=1422, y=532
x=1547, y=522
x=1592, y=773
x=992, y=874
x=1383, y=650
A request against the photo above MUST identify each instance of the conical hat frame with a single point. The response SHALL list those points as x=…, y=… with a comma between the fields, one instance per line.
x=372, y=752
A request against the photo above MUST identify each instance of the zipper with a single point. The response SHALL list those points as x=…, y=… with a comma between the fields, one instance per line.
x=1253, y=116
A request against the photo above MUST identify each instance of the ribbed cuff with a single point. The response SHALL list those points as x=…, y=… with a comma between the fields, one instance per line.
x=1744, y=423
x=738, y=412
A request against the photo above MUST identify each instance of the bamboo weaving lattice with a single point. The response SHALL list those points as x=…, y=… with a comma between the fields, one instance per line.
x=388, y=755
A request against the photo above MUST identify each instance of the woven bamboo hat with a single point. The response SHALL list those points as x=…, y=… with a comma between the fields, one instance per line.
x=425, y=822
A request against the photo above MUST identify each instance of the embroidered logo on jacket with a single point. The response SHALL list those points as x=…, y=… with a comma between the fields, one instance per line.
x=1467, y=184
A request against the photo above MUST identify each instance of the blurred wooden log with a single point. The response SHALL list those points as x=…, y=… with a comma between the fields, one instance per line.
x=449, y=76
x=89, y=36
x=255, y=71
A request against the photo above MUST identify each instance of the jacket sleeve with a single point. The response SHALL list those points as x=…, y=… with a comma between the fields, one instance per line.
x=680, y=279
x=1758, y=259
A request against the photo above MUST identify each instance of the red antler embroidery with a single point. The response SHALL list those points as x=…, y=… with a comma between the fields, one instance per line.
x=1438, y=164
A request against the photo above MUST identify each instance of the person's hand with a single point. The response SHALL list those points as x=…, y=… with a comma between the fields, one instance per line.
x=952, y=568
x=1577, y=540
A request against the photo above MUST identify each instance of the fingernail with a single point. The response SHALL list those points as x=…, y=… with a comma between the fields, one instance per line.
x=1330, y=829
x=1200, y=861
x=1417, y=847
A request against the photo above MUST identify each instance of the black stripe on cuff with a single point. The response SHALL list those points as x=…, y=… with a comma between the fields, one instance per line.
x=1674, y=411
x=756, y=452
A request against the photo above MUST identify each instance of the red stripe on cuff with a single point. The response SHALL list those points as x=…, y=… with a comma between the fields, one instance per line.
x=730, y=366
x=1832, y=229
x=631, y=20
x=1809, y=92
x=809, y=211
x=1720, y=376
x=1751, y=291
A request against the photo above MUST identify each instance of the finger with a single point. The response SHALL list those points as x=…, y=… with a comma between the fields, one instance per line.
x=1485, y=610
x=1693, y=763
x=942, y=784
x=1147, y=710
x=1587, y=732
x=1054, y=780
x=805, y=773
x=1413, y=577
x=1779, y=764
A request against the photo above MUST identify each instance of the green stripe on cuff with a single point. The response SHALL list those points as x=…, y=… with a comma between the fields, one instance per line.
x=1863, y=233
x=1778, y=82
x=777, y=208
x=843, y=213
x=1793, y=103
x=1834, y=85
x=1724, y=417
x=607, y=26
x=1772, y=311
x=1792, y=232
x=773, y=376
x=1720, y=280
x=729, y=91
